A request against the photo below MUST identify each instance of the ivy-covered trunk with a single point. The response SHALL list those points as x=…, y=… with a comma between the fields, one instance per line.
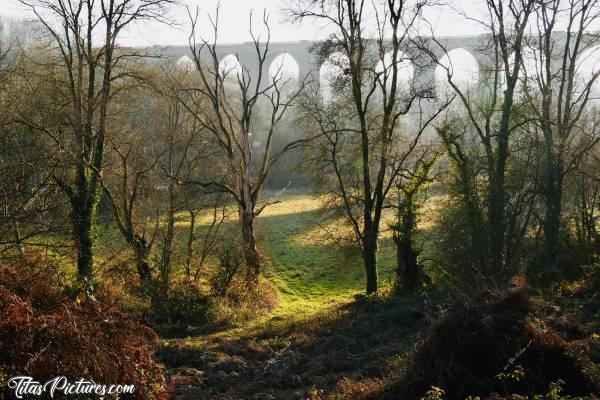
x=553, y=195
x=83, y=220
x=142, y=251
x=408, y=271
x=167, y=244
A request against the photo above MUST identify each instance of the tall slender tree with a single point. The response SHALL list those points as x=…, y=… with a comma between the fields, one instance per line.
x=491, y=114
x=232, y=115
x=371, y=112
x=560, y=93
x=84, y=35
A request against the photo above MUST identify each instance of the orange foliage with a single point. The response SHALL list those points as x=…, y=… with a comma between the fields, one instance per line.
x=43, y=334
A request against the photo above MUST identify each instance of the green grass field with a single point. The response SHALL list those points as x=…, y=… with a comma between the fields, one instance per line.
x=309, y=269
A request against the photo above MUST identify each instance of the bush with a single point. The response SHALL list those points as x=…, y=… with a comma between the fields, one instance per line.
x=457, y=263
x=244, y=301
x=44, y=334
x=493, y=344
x=591, y=274
x=238, y=296
x=34, y=279
x=187, y=306
x=191, y=310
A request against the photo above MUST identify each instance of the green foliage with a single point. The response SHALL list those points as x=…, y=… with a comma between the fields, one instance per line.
x=591, y=274
x=517, y=374
x=410, y=197
x=458, y=260
x=435, y=393
x=554, y=392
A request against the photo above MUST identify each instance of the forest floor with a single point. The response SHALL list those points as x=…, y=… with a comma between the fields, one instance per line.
x=349, y=349
x=322, y=337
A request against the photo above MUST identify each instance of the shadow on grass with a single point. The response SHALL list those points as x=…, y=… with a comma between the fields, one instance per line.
x=356, y=340
x=300, y=265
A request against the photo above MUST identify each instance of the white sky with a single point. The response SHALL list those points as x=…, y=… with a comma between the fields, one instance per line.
x=234, y=22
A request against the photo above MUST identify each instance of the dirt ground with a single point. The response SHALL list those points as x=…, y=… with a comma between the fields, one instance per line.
x=307, y=359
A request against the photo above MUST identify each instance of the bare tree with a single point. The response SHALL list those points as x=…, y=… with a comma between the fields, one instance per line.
x=492, y=116
x=31, y=204
x=585, y=194
x=368, y=119
x=85, y=33
x=185, y=156
x=231, y=116
x=129, y=186
x=560, y=95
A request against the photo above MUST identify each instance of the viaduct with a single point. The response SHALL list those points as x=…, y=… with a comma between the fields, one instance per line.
x=466, y=54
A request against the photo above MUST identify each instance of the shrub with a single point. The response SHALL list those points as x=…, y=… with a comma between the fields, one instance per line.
x=44, y=334
x=231, y=265
x=476, y=347
x=243, y=302
x=232, y=299
x=591, y=275
x=236, y=295
x=187, y=306
x=35, y=279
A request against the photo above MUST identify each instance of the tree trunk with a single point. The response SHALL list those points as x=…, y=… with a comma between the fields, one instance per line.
x=142, y=251
x=408, y=271
x=370, y=259
x=165, y=262
x=251, y=255
x=190, y=244
x=497, y=190
x=408, y=267
x=143, y=269
x=553, y=194
x=167, y=244
x=83, y=220
x=18, y=239
x=496, y=223
x=496, y=205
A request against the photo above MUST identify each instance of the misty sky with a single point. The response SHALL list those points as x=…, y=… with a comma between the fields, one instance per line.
x=234, y=22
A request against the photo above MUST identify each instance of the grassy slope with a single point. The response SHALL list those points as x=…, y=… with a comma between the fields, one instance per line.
x=315, y=336
x=320, y=343
x=318, y=337
x=309, y=269
x=312, y=274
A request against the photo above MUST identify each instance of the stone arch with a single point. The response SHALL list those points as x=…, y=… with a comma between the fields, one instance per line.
x=230, y=67
x=334, y=68
x=284, y=68
x=185, y=64
x=587, y=68
x=528, y=71
x=463, y=68
x=589, y=61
